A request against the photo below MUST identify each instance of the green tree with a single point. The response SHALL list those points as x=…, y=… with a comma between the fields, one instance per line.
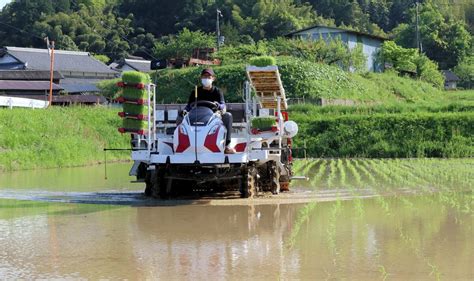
x=427, y=70
x=465, y=71
x=401, y=59
x=444, y=40
x=103, y=58
x=358, y=60
x=408, y=60
x=183, y=44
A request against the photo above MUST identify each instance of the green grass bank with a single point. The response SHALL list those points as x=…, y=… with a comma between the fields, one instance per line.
x=302, y=78
x=387, y=135
x=59, y=137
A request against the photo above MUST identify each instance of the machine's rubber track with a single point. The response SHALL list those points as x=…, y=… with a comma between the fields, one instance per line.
x=158, y=183
x=275, y=177
x=149, y=183
x=249, y=187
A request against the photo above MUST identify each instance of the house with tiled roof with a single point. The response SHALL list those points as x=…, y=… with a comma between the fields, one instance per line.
x=129, y=64
x=80, y=70
x=450, y=80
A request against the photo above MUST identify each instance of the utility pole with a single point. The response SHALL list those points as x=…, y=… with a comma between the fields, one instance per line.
x=50, y=46
x=419, y=46
x=219, y=15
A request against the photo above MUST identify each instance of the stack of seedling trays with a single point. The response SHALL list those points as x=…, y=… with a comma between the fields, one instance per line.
x=135, y=101
x=265, y=79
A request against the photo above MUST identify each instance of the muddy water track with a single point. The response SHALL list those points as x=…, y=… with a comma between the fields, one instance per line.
x=297, y=195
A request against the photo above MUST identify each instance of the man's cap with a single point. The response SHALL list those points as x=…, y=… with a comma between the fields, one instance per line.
x=208, y=71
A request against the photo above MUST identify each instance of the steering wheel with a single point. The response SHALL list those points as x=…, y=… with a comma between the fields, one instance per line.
x=214, y=106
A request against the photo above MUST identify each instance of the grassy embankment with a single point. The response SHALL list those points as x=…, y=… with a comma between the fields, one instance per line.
x=59, y=137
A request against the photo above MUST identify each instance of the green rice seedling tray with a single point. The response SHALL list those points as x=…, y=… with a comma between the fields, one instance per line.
x=263, y=122
x=263, y=61
x=135, y=109
x=134, y=94
x=135, y=124
x=135, y=77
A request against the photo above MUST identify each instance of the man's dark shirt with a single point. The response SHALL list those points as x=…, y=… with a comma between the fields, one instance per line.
x=213, y=95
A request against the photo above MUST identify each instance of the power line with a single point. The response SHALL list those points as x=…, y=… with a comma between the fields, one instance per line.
x=21, y=30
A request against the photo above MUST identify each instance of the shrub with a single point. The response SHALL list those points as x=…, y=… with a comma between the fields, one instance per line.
x=387, y=135
x=428, y=71
x=408, y=60
x=109, y=88
x=241, y=53
x=465, y=71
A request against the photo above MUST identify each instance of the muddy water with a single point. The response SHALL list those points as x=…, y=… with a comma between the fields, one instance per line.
x=401, y=236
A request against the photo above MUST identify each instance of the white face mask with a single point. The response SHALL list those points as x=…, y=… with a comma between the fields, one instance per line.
x=206, y=82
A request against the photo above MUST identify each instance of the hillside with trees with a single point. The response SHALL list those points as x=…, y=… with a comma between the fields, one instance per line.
x=118, y=28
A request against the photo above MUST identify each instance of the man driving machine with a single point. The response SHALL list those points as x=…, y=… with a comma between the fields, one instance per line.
x=208, y=92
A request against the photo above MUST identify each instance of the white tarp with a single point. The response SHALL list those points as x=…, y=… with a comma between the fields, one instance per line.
x=22, y=102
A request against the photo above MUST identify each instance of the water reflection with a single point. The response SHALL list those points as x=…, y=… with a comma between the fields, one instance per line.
x=406, y=238
x=165, y=242
x=227, y=242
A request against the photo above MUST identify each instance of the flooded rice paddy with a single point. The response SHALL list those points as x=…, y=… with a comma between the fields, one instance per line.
x=354, y=219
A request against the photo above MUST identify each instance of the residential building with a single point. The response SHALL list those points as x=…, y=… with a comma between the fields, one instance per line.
x=450, y=80
x=129, y=64
x=371, y=44
x=80, y=70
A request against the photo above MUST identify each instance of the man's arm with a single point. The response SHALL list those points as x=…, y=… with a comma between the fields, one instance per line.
x=221, y=101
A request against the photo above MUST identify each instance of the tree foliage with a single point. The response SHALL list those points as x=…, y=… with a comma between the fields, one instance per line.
x=118, y=28
x=87, y=25
x=408, y=60
x=183, y=44
x=465, y=71
x=444, y=38
x=331, y=52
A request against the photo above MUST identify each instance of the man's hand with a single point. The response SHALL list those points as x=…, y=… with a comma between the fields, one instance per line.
x=184, y=113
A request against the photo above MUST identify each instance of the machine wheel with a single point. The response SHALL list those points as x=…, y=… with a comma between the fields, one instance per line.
x=158, y=181
x=165, y=190
x=249, y=187
x=149, y=183
x=275, y=178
